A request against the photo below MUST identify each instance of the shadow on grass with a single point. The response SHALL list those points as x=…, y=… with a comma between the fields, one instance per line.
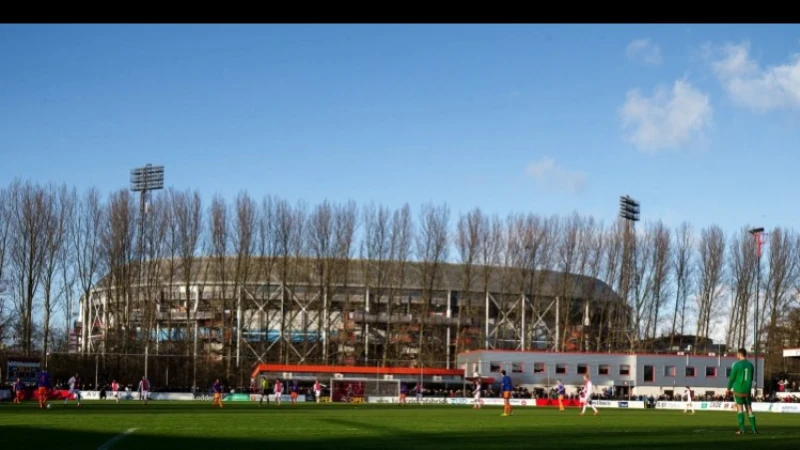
x=34, y=437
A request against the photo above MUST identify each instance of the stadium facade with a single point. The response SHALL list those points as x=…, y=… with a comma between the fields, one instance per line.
x=301, y=311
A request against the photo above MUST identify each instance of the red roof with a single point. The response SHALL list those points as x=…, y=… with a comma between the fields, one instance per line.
x=355, y=370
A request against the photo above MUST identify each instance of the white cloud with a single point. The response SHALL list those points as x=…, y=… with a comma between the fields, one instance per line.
x=670, y=119
x=546, y=172
x=755, y=87
x=645, y=51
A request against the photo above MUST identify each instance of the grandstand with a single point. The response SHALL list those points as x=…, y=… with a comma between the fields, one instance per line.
x=306, y=311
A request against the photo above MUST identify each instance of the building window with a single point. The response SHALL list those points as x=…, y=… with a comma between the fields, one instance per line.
x=583, y=369
x=711, y=371
x=561, y=369
x=690, y=371
x=669, y=371
x=494, y=366
x=602, y=369
x=649, y=374
x=538, y=367
x=517, y=367
x=625, y=369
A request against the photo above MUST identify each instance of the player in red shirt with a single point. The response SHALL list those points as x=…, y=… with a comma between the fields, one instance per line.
x=115, y=390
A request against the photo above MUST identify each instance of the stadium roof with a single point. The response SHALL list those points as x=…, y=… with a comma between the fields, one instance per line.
x=306, y=271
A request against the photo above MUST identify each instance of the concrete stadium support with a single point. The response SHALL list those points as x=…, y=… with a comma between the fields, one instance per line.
x=301, y=311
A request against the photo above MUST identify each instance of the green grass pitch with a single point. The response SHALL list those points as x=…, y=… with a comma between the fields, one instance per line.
x=240, y=426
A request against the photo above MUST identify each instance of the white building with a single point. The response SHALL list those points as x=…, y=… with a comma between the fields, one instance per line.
x=647, y=374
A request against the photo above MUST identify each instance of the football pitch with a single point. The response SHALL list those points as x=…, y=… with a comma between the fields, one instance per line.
x=196, y=426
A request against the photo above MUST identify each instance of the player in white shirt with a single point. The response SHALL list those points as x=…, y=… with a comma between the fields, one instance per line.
x=586, y=395
x=687, y=394
x=144, y=389
x=115, y=390
x=476, y=392
x=317, y=390
x=74, y=389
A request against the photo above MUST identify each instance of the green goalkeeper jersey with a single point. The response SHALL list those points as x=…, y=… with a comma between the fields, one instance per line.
x=741, y=379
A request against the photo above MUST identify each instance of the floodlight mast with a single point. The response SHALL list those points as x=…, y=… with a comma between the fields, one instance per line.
x=757, y=233
x=629, y=210
x=143, y=180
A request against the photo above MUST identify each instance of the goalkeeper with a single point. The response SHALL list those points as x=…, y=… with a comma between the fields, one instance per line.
x=741, y=382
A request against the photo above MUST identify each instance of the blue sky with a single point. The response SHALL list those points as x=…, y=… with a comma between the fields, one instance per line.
x=510, y=118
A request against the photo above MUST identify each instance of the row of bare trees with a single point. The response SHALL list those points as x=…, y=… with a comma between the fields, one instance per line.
x=57, y=244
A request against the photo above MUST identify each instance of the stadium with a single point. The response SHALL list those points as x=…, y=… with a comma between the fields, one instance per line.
x=356, y=312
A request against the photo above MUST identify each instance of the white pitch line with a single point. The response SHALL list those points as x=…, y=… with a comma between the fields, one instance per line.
x=116, y=439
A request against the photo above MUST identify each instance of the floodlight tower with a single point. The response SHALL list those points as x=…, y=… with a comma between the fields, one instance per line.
x=143, y=180
x=758, y=233
x=629, y=210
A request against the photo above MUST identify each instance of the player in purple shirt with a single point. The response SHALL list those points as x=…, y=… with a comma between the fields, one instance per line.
x=217, y=388
x=43, y=382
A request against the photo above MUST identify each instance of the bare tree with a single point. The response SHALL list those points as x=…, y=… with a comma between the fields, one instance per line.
x=613, y=313
x=345, y=224
x=780, y=287
x=67, y=262
x=659, y=281
x=285, y=224
x=432, y=251
x=742, y=262
x=244, y=240
x=267, y=246
x=595, y=242
x=119, y=242
x=712, y=271
x=322, y=245
x=567, y=256
x=402, y=233
x=683, y=266
x=5, y=233
x=468, y=243
x=186, y=228
x=57, y=208
x=28, y=216
x=86, y=233
x=489, y=256
x=377, y=240
x=220, y=241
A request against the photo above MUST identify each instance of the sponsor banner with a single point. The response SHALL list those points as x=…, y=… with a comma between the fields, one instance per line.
x=791, y=408
x=284, y=398
x=460, y=401
x=731, y=406
x=544, y=402
x=5, y=394
x=618, y=404
x=235, y=398
x=170, y=396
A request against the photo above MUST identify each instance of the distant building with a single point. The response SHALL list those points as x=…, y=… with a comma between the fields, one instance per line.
x=646, y=374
